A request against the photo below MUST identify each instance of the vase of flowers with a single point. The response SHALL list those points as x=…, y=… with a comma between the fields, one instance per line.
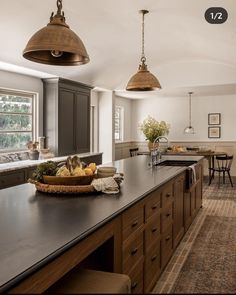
x=152, y=128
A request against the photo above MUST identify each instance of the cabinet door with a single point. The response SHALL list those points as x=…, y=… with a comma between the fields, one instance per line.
x=66, y=119
x=82, y=121
x=187, y=210
x=178, y=225
x=199, y=189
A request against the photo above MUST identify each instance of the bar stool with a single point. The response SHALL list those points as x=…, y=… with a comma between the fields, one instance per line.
x=133, y=152
x=223, y=165
x=87, y=281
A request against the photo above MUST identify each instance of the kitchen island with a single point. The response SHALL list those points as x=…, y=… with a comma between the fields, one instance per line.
x=43, y=237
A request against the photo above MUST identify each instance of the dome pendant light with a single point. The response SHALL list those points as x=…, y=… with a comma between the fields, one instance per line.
x=56, y=44
x=143, y=80
x=189, y=129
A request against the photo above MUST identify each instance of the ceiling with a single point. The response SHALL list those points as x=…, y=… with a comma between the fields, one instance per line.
x=182, y=49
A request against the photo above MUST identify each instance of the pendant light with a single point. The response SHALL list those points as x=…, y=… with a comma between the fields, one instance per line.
x=189, y=129
x=143, y=80
x=56, y=44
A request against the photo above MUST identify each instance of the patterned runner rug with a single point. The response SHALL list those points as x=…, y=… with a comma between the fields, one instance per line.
x=211, y=264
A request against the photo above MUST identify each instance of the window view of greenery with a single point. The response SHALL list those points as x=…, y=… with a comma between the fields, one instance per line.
x=15, y=122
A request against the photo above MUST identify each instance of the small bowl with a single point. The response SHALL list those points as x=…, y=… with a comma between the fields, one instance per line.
x=106, y=172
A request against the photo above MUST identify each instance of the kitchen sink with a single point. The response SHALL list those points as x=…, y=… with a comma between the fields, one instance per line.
x=176, y=163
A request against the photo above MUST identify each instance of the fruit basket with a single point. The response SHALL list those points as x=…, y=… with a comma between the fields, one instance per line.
x=68, y=180
x=62, y=189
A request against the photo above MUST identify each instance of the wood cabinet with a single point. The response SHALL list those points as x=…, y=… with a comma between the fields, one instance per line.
x=178, y=210
x=193, y=197
x=133, y=245
x=138, y=242
x=12, y=178
x=66, y=116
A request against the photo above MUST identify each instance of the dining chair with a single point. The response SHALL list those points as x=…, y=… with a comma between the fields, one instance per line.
x=223, y=165
x=133, y=152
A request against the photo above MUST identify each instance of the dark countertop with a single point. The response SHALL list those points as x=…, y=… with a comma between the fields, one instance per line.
x=37, y=227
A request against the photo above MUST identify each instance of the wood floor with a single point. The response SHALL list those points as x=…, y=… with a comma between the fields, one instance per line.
x=217, y=201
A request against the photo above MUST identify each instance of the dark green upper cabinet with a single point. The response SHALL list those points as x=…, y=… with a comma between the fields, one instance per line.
x=66, y=116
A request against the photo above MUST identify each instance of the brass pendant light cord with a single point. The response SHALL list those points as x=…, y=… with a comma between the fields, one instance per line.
x=190, y=106
x=143, y=58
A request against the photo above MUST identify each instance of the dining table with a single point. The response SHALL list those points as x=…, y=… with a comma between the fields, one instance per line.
x=209, y=155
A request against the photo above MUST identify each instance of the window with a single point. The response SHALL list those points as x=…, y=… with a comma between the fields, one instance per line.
x=17, y=120
x=119, y=122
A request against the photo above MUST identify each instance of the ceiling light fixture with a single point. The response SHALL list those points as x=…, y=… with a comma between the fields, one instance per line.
x=56, y=44
x=189, y=129
x=143, y=80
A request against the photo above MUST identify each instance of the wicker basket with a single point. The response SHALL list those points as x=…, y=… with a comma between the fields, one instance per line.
x=62, y=189
x=68, y=180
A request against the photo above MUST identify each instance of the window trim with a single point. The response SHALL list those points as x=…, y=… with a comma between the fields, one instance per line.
x=34, y=114
x=121, y=130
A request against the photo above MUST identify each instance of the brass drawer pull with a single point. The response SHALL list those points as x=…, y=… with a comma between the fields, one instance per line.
x=153, y=257
x=134, y=285
x=168, y=238
x=168, y=214
x=134, y=223
x=154, y=230
x=134, y=251
x=154, y=207
x=168, y=195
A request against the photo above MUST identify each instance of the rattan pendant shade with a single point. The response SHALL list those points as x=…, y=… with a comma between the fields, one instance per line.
x=143, y=80
x=56, y=44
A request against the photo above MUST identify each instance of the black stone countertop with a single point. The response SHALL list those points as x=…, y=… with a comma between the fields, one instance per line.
x=37, y=227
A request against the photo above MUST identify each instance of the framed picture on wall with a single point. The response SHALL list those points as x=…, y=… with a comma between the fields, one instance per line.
x=214, y=119
x=214, y=132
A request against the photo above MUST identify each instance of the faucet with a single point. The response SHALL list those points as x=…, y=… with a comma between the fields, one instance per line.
x=156, y=153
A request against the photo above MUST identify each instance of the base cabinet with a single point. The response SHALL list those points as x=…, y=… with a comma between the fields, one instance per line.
x=138, y=242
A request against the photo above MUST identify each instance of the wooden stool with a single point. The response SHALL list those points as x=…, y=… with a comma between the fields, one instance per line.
x=92, y=281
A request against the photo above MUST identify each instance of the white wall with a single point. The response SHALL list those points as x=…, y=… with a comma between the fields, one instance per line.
x=106, y=125
x=127, y=105
x=16, y=81
x=175, y=111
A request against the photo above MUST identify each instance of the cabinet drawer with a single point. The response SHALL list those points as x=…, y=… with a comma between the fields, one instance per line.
x=132, y=251
x=152, y=266
x=132, y=219
x=167, y=195
x=153, y=204
x=136, y=276
x=152, y=230
x=166, y=217
x=166, y=246
x=11, y=179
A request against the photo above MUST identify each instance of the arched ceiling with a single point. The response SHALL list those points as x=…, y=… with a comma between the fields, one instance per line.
x=182, y=49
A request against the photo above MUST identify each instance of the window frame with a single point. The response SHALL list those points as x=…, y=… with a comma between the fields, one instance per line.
x=33, y=114
x=121, y=123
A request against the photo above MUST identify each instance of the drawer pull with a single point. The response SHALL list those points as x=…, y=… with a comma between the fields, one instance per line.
x=134, y=251
x=154, y=230
x=134, y=223
x=134, y=285
x=168, y=214
x=154, y=207
x=168, y=195
x=167, y=238
x=153, y=257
